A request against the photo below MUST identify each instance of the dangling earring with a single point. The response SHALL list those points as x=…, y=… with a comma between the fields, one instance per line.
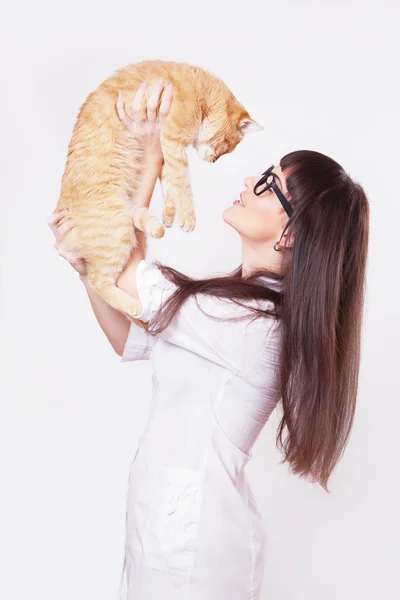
x=277, y=248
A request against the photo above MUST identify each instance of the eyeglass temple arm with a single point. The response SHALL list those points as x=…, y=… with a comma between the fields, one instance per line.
x=285, y=203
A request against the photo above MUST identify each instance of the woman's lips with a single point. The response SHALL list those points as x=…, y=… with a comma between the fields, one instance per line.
x=239, y=202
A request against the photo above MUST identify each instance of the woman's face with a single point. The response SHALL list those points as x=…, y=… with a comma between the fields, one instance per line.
x=259, y=219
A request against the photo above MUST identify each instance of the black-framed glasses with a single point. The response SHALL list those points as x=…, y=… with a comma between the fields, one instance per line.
x=266, y=182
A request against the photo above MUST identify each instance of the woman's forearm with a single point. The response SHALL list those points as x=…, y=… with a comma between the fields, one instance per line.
x=114, y=323
x=127, y=279
x=149, y=178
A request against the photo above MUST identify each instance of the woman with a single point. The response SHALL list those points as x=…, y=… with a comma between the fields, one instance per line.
x=284, y=326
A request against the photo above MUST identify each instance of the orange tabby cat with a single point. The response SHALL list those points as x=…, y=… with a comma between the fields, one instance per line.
x=104, y=166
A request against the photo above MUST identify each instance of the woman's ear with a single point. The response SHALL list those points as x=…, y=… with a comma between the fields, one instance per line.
x=287, y=240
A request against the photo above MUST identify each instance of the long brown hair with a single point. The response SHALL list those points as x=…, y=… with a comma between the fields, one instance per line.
x=320, y=308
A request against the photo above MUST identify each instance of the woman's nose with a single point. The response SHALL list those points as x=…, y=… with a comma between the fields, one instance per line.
x=250, y=182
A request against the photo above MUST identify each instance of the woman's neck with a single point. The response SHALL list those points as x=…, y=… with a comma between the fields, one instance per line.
x=260, y=256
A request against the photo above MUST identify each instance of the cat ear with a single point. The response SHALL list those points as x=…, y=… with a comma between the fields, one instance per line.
x=250, y=126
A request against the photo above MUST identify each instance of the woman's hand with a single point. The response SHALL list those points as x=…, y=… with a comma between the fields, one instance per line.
x=59, y=230
x=146, y=127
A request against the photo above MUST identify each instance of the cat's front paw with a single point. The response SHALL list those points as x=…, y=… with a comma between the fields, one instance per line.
x=168, y=212
x=187, y=221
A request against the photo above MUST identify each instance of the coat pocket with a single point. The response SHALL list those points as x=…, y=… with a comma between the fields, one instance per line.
x=165, y=515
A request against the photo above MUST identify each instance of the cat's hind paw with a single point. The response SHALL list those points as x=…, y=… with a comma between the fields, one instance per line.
x=136, y=309
x=168, y=213
x=187, y=221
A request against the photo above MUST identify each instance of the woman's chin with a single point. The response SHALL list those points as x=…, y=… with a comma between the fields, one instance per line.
x=229, y=216
x=226, y=215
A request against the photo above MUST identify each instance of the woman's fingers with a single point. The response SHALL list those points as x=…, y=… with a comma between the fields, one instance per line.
x=137, y=104
x=165, y=105
x=121, y=108
x=71, y=257
x=56, y=217
x=153, y=101
x=125, y=120
x=65, y=227
x=151, y=114
x=60, y=230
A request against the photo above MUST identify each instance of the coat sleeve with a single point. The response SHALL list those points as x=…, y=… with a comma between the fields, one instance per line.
x=234, y=345
x=139, y=344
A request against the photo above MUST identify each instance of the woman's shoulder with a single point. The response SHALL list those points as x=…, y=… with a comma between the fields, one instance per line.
x=152, y=281
x=149, y=273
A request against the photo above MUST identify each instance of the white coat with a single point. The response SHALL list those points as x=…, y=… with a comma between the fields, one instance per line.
x=193, y=529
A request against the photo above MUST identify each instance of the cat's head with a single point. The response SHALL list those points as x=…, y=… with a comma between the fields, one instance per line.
x=224, y=126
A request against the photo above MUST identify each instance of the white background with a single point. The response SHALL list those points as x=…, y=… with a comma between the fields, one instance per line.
x=318, y=75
